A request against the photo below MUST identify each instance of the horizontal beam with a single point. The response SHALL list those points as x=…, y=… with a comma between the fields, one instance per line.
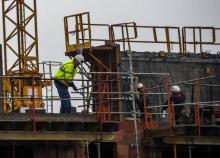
x=55, y=122
x=56, y=136
x=192, y=140
x=48, y=117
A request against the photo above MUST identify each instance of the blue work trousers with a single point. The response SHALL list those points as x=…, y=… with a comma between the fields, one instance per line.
x=64, y=96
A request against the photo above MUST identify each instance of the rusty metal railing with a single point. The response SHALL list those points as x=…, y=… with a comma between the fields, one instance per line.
x=132, y=33
x=125, y=31
x=195, y=39
x=80, y=33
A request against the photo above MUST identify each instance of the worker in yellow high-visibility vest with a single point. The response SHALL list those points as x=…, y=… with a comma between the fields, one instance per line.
x=63, y=79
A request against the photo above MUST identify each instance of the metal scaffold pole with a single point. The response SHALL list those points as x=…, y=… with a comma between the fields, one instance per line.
x=82, y=75
x=133, y=102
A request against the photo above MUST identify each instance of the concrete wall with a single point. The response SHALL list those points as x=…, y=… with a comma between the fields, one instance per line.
x=180, y=67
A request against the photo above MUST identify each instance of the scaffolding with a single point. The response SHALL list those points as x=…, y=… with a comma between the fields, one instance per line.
x=108, y=91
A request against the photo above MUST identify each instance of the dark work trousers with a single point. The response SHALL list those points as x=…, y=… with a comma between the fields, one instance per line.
x=64, y=96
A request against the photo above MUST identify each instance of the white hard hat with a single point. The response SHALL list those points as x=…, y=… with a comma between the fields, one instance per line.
x=79, y=58
x=139, y=85
x=175, y=88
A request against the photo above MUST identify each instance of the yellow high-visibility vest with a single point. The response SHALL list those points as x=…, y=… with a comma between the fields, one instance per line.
x=66, y=72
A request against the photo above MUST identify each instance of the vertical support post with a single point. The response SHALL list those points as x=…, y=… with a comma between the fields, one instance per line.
x=77, y=30
x=197, y=106
x=180, y=43
x=99, y=109
x=128, y=38
x=147, y=116
x=190, y=151
x=88, y=100
x=51, y=94
x=174, y=151
x=4, y=35
x=133, y=103
x=200, y=39
x=32, y=106
x=108, y=102
x=123, y=37
x=82, y=74
x=194, y=40
x=168, y=101
x=12, y=95
x=66, y=32
x=87, y=149
x=36, y=34
x=167, y=39
x=81, y=28
x=1, y=81
x=155, y=34
x=184, y=39
x=44, y=78
x=98, y=149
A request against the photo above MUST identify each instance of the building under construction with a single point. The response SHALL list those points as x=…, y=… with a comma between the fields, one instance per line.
x=109, y=124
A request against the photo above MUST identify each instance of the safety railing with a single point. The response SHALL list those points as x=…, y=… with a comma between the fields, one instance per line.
x=126, y=32
x=77, y=35
x=132, y=35
x=100, y=34
x=200, y=39
x=48, y=68
x=195, y=114
x=80, y=33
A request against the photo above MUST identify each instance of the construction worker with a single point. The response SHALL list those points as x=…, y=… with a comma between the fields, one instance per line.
x=177, y=97
x=139, y=99
x=63, y=79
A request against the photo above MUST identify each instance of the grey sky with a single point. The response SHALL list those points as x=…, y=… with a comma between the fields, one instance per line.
x=143, y=12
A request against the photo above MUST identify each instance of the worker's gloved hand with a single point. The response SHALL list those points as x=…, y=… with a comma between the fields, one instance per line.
x=73, y=86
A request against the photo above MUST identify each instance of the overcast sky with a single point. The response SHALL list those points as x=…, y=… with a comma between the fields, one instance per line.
x=143, y=12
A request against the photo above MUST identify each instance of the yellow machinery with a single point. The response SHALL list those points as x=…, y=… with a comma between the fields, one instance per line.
x=22, y=82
